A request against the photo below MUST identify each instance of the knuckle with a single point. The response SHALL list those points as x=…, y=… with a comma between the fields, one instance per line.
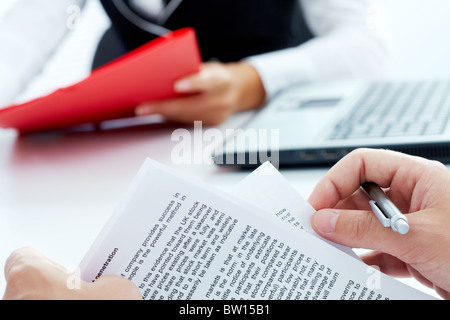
x=437, y=165
x=16, y=274
x=356, y=155
x=18, y=262
x=20, y=284
x=21, y=271
x=359, y=151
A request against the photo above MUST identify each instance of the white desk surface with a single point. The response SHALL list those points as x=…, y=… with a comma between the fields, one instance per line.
x=57, y=192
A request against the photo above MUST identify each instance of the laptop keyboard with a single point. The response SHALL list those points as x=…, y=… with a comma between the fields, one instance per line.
x=397, y=109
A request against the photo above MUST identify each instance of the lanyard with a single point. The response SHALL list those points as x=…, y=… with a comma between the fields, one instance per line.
x=155, y=27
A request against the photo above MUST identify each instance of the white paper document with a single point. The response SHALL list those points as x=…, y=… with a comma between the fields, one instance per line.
x=178, y=238
x=267, y=189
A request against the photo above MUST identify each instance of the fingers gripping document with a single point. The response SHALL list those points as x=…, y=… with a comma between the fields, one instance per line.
x=178, y=238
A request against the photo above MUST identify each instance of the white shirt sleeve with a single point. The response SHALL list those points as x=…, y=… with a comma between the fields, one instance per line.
x=350, y=42
x=29, y=33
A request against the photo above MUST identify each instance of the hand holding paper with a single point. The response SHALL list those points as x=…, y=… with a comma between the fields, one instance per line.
x=213, y=94
x=417, y=186
x=177, y=238
x=114, y=90
x=32, y=276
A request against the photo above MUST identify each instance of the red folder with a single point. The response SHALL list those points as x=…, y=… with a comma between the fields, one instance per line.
x=114, y=90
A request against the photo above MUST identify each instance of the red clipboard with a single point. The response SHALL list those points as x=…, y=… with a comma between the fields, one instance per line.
x=114, y=90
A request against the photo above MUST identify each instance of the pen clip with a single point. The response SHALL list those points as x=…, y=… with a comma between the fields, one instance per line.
x=386, y=222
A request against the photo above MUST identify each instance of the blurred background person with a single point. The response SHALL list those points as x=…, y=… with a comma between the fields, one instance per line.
x=251, y=50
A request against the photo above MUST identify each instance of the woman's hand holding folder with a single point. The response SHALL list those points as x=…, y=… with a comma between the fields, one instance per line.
x=212, y=95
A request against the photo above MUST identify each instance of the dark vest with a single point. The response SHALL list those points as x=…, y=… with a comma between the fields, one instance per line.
x=227, y=30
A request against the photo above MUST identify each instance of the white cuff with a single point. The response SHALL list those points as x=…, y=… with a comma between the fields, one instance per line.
x=281, y=69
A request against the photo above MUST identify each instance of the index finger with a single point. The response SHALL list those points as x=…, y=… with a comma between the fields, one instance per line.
x=212, y=75
x=383, y=167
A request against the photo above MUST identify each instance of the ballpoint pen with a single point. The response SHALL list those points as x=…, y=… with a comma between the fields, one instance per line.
x=383, y=208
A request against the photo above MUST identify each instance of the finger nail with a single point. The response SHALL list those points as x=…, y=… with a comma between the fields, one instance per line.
x=183, y=86
x=144, y=110
x=325, y=221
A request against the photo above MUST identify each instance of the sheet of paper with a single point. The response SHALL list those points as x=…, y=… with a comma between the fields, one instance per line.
x=177, y=238
x=269, y=190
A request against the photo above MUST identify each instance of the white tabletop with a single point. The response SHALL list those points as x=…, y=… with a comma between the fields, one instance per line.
x=57, y=191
